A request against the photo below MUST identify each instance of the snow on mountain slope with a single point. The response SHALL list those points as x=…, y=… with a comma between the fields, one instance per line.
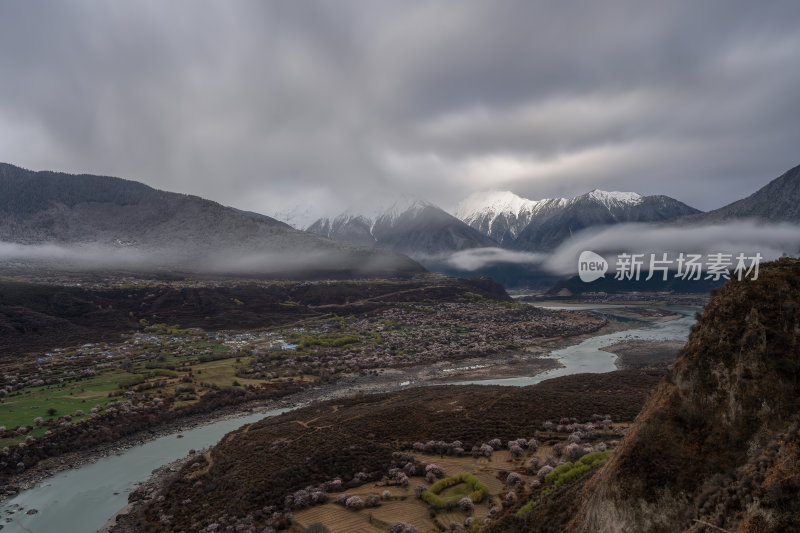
x=613, y=198
x=517, y=222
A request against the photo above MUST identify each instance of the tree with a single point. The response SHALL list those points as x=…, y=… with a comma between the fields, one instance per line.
x=486, y=450
x=354, y=503
x=513, y=479
x=574, y=452
x=52, y=412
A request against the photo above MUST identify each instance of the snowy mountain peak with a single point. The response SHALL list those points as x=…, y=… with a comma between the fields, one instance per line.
x=615, y=197
x=495, y=203
x=502, y=214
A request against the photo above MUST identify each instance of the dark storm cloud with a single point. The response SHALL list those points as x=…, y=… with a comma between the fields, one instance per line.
x=265, y=105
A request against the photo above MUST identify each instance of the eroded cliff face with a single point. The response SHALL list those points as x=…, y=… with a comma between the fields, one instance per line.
x=717, y=444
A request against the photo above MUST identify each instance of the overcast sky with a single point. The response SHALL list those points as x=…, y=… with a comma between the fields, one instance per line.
x=270, y=105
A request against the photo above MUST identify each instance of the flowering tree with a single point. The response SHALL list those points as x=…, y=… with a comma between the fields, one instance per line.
x=513, y=479
x=354, y=503
x=543, y=471
x=466, y=504
x=486, y=450
x=574, y=452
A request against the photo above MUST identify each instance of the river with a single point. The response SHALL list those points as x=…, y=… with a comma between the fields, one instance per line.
x=587, y=355
x=81, y=500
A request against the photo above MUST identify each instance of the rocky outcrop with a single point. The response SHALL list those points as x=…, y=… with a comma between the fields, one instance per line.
x=717, y=445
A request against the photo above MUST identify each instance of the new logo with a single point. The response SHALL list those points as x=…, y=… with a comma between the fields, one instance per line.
x=591, y=266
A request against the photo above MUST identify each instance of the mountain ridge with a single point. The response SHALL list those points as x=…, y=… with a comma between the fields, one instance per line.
x=411, y=226
x=541, y=225
x=777, y=201
x=124, y=221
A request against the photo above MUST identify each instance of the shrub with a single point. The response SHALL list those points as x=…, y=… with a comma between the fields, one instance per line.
x=478, y=490
x=419, y=490
x=386, y=495
x=569, y=471
x=486, y=450
x=496, y=444
x=372, y=500
x=516, y=451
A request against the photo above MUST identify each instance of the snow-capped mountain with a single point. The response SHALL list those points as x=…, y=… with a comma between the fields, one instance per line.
x=411, y=225
x=538, y=225
x=502, y=215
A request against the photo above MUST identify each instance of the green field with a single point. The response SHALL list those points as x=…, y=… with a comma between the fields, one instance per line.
x=223, y=372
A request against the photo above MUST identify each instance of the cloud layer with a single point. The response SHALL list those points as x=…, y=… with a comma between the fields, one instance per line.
x=266, y=105
x=745, y=237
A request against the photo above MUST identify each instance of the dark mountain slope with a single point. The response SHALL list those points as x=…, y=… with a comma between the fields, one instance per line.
x=777, y=201
x=413, y=227
x=124, y=224
x=428, y=231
